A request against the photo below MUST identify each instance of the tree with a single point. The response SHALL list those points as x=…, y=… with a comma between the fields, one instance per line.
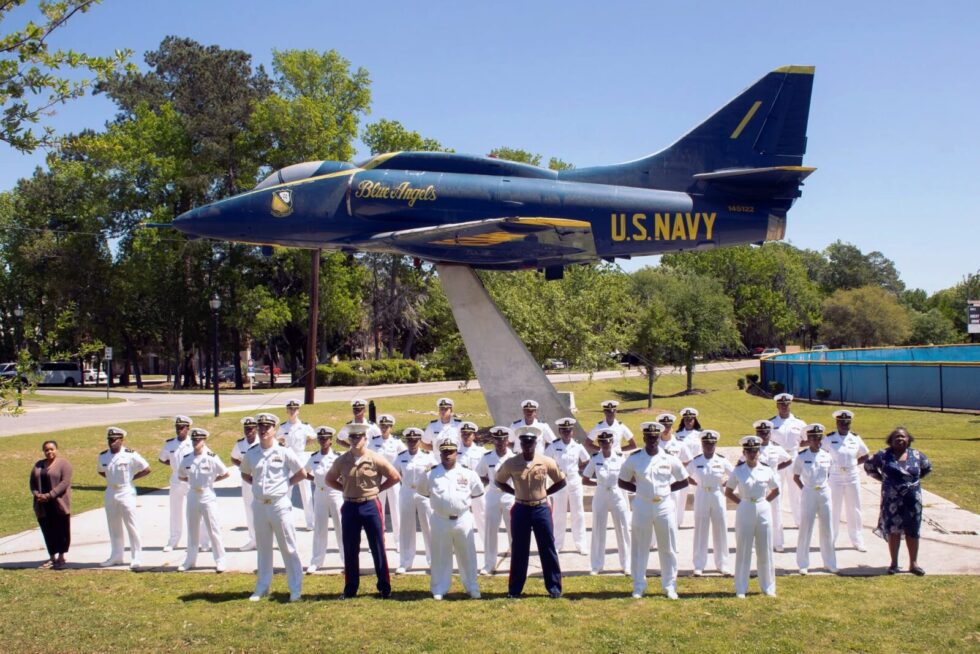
x=316, y=111
x=771, y=292
x=932, y=328
x=703, y=314
x=658, y=336
x=864, y=317
x=953, y=301
x=848, y=268
x=31, y=79
x=391, y=136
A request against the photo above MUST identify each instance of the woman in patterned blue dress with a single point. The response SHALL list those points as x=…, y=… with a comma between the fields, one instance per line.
x=899, y=468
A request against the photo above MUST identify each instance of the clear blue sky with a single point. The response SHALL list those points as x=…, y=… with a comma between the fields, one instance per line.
x=893, y=123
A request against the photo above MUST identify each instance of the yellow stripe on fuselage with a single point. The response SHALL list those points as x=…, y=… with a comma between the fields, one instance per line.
x=799, y=70
x=491, y=238
x=745, y=121
x=555, y=222
x=380, y=159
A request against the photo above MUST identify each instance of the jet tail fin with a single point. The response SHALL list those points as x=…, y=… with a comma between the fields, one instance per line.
x=763, y=128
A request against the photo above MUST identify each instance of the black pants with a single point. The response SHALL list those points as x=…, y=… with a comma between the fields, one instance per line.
x=524, y=520
x=56, y=529
x=355, y=516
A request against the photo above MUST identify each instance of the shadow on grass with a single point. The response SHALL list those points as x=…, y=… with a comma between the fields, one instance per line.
x=220, y=597
x=636, y=396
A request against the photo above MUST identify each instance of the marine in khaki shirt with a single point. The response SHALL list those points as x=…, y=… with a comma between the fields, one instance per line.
x=360, y=475
x=530, y=478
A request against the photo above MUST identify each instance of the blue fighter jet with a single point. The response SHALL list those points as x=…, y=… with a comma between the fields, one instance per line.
x=728, y=181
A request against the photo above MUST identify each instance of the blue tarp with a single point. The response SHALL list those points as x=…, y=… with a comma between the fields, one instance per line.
x=944, y=377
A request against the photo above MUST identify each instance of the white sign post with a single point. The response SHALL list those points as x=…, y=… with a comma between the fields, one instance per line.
x=108, y=370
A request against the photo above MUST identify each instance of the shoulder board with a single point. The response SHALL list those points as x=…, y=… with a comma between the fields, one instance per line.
x=349, y=422
x=596, y=454
x=306, y=424
x=774, y=417
x=241, y=440
x=170, y=440
x=130, y=451
x=763, y=463
x=489, y=453
x=699, y=456
x=432, y=422
x=854, y=433
x=634, y=453
x=212, y=454
x=103, y=452
x=740, y=463
x=805, y=449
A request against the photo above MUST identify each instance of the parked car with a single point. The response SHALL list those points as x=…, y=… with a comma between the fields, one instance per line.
x=8, y=370
x=555, y=364
x=93, y=376
x=757, y=351
x=226, y=373
x=819, y=348
x=769, y=351
x=61, y=373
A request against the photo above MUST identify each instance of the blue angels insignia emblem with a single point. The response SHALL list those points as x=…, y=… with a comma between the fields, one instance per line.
x=282, y=203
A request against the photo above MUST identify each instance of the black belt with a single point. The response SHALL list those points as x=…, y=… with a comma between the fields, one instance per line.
x=531, y=502
x=360, y=500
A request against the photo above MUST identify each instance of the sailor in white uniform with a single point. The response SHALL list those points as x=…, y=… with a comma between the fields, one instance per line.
x=498, y=503
x=602, y=471
x=326, y=500
x=412, y=465
x=200, y=469
x=121, y=466
x=295, y=434
x=446, y=426
x=530, y=419
x=243, y=445
x=623, y=439
x=848, y=452
x=709, y=471
x=811, y=472
x=390, y=446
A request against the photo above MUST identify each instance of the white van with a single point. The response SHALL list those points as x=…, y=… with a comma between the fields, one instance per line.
x=61, y=373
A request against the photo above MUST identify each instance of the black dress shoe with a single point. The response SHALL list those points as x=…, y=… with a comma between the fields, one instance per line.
x=917, y=571
x=555, y=594
x=893, y=569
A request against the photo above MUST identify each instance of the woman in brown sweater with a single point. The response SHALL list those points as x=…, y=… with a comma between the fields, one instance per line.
x=51, y=487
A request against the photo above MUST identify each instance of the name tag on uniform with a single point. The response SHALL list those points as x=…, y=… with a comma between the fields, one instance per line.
x=461, y=482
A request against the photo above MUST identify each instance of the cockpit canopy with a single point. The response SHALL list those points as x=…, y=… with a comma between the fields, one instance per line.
x=303, y=170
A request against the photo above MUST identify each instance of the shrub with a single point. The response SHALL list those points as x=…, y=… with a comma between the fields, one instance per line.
x=740, y=383
x=432, y=374
x=752, y=378
x=776, y=387
x=822, y=393
x=343, y=375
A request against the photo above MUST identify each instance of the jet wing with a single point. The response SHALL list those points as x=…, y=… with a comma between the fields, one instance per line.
x=533, y=242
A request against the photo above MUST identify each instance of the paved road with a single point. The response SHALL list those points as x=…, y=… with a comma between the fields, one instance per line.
x=40, y=418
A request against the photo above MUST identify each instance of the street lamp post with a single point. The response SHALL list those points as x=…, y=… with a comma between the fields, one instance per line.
x=215, y=306
x=19, y=312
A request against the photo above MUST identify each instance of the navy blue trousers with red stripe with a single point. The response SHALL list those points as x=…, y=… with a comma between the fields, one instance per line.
x=523, y=520
x=355, y=516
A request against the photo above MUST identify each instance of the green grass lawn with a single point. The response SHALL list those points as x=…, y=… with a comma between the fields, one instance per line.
x=104, y=611
x=952, y=441
x=71, y=399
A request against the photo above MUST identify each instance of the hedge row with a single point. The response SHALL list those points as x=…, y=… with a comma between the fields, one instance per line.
x=371, y=373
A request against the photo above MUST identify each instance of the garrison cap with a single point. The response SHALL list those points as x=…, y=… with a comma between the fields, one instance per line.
x=528, y=433
x=445, y=402
x=448, y=445
x=529, y=404
x=292, y=404
x=115, y=432
x=610, y=404
x=666, y=418
x=357, y=403
x=750, y=442
x=844, y=414
x=468, y=426
x=249, y=421
x=412, y=434
x=710, y=436
x=765, y=425
x=605, y=436
x=386, y=419
x=199, y=434
x=814, y=429
x=325, y=431
x=266, y=419
x=565, y=423
x=784, y=398
x=652, y=427
x=500, y=432
x=689, y=412
x=182, y=421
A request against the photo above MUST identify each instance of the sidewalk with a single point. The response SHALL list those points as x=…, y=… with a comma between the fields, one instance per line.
x=950, y=541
